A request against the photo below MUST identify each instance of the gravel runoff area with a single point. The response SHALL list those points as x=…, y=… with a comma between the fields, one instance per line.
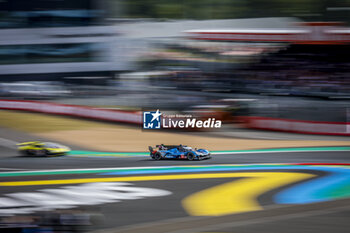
x=113, y=137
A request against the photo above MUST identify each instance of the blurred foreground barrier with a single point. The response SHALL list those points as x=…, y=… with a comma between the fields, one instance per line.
x=297, y=126
x=73, y=110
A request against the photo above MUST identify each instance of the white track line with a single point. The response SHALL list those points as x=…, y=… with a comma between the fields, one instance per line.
x=95, y=169
x=276, y=151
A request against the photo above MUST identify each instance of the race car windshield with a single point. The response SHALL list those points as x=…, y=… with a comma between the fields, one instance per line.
x=187, y=148
x=52, y=145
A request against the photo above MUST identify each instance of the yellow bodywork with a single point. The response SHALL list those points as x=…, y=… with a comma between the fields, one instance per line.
x=42, y=148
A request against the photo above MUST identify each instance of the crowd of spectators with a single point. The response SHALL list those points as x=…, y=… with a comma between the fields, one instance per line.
x=299, y=70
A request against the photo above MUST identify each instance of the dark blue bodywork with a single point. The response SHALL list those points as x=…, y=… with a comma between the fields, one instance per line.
x=179, y=152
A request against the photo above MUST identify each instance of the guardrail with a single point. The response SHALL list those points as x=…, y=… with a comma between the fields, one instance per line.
x=297, y=126
x=73, y=110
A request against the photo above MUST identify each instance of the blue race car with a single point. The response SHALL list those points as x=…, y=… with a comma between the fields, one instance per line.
x=177, y=152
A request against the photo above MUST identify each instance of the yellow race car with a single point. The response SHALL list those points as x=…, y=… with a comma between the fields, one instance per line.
x=42, y=149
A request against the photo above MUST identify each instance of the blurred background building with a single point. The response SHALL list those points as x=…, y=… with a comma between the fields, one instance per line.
x=51, y=40
x=180, y=55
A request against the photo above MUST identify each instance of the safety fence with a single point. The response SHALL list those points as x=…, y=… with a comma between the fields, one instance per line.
x=73, y=110
x=297, y=126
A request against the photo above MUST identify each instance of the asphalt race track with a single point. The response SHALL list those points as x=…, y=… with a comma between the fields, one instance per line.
x=255, y=192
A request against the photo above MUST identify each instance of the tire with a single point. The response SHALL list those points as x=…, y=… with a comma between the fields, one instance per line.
x=30, y=153
x=25, y=153
x=41, y=153
x=157, y=156
x=190, y=156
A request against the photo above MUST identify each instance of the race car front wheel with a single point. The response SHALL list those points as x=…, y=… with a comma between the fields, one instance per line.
x=157, y=156
x=190, y=156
